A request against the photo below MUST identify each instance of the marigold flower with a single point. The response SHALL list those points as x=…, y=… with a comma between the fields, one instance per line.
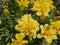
x=28, y=26
x=56, y=25
x=23, y=3
x=48, y=33
x=19, y=40
x=42, y=7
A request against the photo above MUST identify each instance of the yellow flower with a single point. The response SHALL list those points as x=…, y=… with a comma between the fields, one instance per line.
x=56, y=25
x=28, y=26
x=41, y=7
x=23, y=3
x=19, y=40
x=48, y=33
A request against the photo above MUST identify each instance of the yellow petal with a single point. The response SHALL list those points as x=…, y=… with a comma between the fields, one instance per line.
x=39, y=36
x=13, y=40
x=49, y=40
x=24, y=41
x=19, y=36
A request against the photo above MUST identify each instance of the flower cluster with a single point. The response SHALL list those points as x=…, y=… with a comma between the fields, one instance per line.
x=27, y=26
x=27, y=22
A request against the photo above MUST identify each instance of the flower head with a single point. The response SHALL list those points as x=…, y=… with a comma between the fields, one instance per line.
x=48, y=33
x=23, y=3
x=56, y=25
x=42, y=7
x=19, y=40
x=28, y=26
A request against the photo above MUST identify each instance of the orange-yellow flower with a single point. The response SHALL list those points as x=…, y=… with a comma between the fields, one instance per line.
x=41, y=7
x=23, y=3
x=48, y=33
x=56, y=25
x=19, y=40
x=28, y=26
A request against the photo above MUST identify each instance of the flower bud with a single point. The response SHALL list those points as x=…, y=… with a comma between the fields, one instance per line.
x=6, y=11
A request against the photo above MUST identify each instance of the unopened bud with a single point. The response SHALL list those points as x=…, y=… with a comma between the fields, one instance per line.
x=6, y=11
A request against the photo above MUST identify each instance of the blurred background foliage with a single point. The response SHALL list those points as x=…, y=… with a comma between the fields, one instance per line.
x=9, y=13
